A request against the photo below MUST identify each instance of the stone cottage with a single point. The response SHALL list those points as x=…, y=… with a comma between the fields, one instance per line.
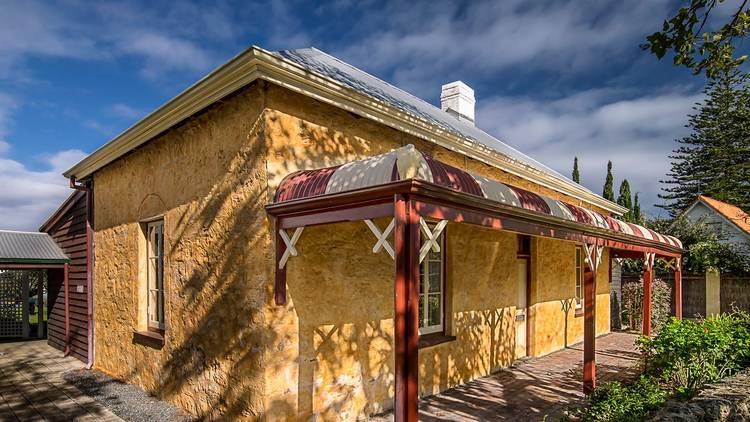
x=292, y=238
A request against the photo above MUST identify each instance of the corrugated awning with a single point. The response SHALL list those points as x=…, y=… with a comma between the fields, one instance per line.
x=408, y=163
x=29, y=248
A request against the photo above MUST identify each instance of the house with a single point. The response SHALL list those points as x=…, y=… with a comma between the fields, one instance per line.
x=730, y=221
x=717, y=292
x=292, y=237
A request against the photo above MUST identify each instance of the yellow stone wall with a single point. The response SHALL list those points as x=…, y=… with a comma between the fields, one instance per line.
x=329, y=351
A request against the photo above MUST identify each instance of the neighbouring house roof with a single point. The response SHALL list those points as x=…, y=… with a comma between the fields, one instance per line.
x=327, y=79
x=29, y=248
x=409, y=163
x=730, y=212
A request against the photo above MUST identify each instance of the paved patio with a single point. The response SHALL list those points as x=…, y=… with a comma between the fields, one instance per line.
x=534, y=389
x=32, y=387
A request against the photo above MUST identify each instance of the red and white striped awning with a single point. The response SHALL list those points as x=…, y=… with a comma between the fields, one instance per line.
x=408, y=163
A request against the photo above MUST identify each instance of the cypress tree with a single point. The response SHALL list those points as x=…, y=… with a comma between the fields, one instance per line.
x=609, y=190
x=576, y=175
x=714, y=159
x=626, y=200
x=637, y=216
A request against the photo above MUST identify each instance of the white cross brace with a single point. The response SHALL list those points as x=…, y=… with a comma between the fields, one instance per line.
x=290, y=250
x=431, y=237
x=382, y=242
x=589, y=250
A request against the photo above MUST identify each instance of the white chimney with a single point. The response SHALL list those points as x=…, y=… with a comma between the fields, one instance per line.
x=458, y=99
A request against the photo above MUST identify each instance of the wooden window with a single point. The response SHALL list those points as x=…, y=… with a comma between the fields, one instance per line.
x=155, y=273
x=432, y=290
x=579, y=277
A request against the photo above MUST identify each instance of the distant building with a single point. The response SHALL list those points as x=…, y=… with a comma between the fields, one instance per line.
x=729, y=220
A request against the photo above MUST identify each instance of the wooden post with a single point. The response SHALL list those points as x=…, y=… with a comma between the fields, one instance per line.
x=40, y=304
x=279, y=286
x=406, y=303
x=589, y=321
x=647, y=280
x=678, y=292
x=66, y=294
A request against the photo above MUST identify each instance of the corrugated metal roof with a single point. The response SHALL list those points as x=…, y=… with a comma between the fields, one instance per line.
x=29, y=247
x=319, y=62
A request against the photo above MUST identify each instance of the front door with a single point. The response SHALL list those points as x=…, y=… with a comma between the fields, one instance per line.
x=521, y=307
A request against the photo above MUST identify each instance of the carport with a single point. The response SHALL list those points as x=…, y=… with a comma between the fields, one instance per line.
x=23, y=256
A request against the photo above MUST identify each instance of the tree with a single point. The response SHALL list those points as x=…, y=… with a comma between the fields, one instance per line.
x=636, y=214
x=625, y=199
x=714, y=159
x=686, y=34
x=609, y=192
x=576, y=175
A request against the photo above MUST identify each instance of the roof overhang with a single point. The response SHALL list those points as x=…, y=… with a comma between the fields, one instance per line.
x=341, y=207
x=256, y=63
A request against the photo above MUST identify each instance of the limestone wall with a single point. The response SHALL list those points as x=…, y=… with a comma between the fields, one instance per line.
x=329, y=352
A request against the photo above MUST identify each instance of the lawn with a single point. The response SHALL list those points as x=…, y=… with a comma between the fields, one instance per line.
x=34, y=318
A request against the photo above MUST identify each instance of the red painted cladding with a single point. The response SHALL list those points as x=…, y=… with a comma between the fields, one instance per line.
x=68, y=229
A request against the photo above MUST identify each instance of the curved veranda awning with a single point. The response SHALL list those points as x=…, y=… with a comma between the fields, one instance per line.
x=379, y=172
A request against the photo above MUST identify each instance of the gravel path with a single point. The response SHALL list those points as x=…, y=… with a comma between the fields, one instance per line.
x=126, y=401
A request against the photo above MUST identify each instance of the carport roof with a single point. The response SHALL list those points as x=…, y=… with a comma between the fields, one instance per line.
x=29, y=248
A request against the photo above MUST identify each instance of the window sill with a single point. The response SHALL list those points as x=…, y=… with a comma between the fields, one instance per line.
x=149, y=339
x=429, y=340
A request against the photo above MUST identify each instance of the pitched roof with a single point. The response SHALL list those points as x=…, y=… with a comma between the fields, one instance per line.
x=327, y=79
x=359, y=80
x=29, y=247
x=729, y=211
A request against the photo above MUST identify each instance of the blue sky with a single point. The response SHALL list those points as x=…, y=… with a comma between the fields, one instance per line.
x=554, y=79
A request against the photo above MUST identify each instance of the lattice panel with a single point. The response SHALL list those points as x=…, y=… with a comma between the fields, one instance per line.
x=11, y=306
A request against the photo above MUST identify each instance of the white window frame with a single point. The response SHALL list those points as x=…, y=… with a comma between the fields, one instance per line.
x=155, y=282
x=424, y=296
x=579, y=277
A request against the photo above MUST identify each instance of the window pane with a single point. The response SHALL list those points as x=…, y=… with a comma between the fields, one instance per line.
x=153, y=305
x=435, y=279
x=421, y=311
x=433, y=310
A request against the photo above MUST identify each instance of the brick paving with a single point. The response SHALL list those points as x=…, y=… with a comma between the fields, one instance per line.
x=535, y=389
x=32, y=387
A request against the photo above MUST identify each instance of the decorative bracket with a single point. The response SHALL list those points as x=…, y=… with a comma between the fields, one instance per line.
x=431, y=237
x=382, y=242
x=290, y=249
x=593, y=261
x=648, y=262
x=672, y=263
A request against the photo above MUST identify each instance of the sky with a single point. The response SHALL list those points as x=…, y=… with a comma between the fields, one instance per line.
x=555, y=79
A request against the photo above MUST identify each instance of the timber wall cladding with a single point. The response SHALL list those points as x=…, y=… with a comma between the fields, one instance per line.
x=70, y=234
x=734, y=292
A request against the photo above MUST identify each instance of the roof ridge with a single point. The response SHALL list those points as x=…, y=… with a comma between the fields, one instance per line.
x=21, y=232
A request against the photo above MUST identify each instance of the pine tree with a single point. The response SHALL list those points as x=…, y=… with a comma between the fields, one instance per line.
x=576, y=175
x=715, y=158
x=609, y=190
x=637, y=215
x=626, y=200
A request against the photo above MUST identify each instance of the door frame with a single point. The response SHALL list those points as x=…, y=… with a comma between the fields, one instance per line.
x=524, y=252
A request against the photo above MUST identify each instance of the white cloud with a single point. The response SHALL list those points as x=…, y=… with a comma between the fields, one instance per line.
x=165, y=37
x=125, y=111
x=29, y=196
x=636, y=132
x=482, y=38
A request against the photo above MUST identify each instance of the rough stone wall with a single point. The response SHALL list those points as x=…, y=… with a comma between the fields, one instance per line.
x=553, y=284
x=207, y=179
x=329, y=352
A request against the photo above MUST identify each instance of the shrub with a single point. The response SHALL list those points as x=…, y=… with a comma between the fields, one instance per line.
x=689, y=354
x=661, y=304
x=614, y=401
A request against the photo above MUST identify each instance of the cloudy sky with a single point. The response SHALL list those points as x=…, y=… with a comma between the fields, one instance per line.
x=554, y=79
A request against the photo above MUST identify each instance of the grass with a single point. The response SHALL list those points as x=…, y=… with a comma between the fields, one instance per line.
x=34, y=318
